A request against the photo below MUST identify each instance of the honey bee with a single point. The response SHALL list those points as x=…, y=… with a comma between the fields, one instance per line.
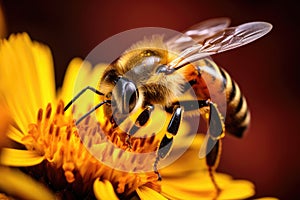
x=156, y=72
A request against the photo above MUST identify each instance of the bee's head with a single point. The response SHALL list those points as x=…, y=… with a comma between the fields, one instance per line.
x=137, y=78
x=126, y=77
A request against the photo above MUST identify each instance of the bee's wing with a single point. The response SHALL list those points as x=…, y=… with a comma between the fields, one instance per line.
x=197, y=33
x=224, y=40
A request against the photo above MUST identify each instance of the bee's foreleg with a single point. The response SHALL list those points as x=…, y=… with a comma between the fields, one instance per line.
x=167, y=141
x=141, y=120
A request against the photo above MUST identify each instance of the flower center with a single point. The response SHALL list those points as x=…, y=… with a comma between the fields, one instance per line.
x=75, y=156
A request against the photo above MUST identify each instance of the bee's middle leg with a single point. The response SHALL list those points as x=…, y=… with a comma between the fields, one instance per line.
x=165, y=145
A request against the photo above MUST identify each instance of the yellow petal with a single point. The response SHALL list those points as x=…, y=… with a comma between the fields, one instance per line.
x=146, y=193
x=45, y=72
x=20, y=158
x=103, y=190
x=191, y=157
x=188, y=178
x=199, y=186
x=76, y=79
x=19, y=185
x=15, y=134
x=66, y=92
x=79, y=75
x=237, y=189
x=193, y=186
x=4, y=124
x=267, y=198
x=194, y=181
x=26, y=79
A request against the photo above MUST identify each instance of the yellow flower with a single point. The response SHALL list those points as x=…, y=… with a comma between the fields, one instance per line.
x=4, y=119
x=12, y=178
x=53, y=150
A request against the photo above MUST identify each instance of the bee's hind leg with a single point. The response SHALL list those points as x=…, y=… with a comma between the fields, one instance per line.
x=213, y=146
x=216, y=132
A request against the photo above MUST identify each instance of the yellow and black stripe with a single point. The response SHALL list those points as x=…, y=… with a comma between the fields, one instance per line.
x=219, y=83
x=237, y=114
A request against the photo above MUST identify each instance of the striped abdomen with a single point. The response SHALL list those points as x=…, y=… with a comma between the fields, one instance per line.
x=215, y=83
x=237, y=114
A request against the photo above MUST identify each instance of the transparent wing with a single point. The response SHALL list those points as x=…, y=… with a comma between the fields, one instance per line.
x=198, y=33
x=224, y=40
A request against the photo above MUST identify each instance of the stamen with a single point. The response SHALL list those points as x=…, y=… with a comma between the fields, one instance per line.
x=57, y=131
x=69, y=176
x=113, y=136
x=90, y=143
x=133, y=159
x=51, y=129
x=136, y=145
x=142, y=142
x=151, y=140
x=87, y=120
x=69, y=131
x=73, y=109
x=40, y=115
x=120, y=154
x=58, y=109
x=48, y=111
x=67, y=161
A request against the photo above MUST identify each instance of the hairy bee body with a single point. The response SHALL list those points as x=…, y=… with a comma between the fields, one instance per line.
x=140, y=64
x=178, y=76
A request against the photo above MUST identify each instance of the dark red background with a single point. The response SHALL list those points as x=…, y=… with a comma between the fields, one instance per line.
x=266, y=70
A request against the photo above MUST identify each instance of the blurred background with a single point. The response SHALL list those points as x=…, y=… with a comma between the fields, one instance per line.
x=266, y=70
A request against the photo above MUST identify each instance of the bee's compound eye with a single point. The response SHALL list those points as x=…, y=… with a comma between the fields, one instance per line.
x=130, y=96
x=126, y=95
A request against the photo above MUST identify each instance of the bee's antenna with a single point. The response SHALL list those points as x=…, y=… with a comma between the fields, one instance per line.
x=92, y=110
x=80, y=93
